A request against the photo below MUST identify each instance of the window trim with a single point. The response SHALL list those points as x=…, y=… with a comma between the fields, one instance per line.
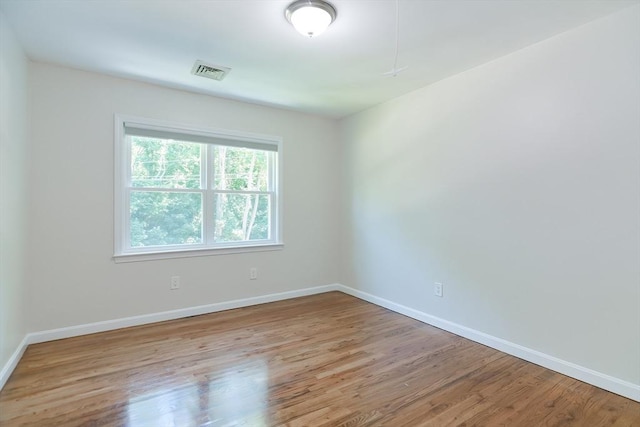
x=122, y=162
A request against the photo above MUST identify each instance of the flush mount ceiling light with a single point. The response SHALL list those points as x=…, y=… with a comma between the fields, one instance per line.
x=310, y=17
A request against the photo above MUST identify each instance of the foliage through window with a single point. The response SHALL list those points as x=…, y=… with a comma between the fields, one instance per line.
x=184, y=189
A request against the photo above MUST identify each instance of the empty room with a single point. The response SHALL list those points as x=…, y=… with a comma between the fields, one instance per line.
x=320, y=213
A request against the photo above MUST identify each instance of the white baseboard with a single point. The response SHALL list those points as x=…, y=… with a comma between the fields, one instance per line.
x=598, y=379
x=615, y=385
x=11, y=364
x=109, y=325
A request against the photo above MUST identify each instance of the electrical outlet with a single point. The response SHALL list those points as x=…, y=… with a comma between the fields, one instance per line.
x=175, y=283
x=437, y=289
x=253, y=273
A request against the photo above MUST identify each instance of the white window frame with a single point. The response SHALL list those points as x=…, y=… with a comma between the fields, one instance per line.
x=124, y=253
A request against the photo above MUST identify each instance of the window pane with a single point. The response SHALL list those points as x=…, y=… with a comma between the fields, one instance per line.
x=241, y=169
x=164, y=163
x=161, y=218
x=241, y=217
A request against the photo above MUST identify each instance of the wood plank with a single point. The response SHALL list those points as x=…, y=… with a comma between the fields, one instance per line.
x=322, y=360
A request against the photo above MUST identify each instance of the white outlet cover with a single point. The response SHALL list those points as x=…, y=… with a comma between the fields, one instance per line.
x=175, y=282
x=438, y=289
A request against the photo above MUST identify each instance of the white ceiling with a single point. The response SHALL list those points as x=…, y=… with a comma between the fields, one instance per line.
x=336, y=74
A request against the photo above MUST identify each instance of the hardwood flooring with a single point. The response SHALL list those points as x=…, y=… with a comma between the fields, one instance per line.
x=323, y=360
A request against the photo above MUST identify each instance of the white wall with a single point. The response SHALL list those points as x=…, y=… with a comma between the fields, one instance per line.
x=13, y=187
x=73, y=279
x=517, y=185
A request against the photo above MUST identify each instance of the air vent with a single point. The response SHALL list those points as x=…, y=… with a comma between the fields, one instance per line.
x=215, y=72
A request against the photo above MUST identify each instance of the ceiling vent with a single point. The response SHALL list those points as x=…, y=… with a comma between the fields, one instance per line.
x=215, y=72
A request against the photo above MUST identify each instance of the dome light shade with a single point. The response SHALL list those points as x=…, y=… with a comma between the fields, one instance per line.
x=310, y=17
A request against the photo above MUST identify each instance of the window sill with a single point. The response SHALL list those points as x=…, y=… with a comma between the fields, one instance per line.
x=189, y=253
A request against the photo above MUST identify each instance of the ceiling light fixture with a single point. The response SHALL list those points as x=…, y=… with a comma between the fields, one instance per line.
x=310, y=17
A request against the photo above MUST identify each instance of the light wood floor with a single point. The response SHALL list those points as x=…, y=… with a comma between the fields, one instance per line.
x=323, y=360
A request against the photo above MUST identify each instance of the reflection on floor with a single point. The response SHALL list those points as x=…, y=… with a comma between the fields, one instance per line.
x=214, y=400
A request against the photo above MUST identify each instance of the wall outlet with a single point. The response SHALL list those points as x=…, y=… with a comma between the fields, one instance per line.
x=175, y=283
x=253, y=273
x=437, y=289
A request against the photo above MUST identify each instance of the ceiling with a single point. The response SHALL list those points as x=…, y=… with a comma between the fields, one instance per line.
x=335, y=74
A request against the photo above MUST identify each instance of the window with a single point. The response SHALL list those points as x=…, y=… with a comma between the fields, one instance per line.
x=182, y=191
